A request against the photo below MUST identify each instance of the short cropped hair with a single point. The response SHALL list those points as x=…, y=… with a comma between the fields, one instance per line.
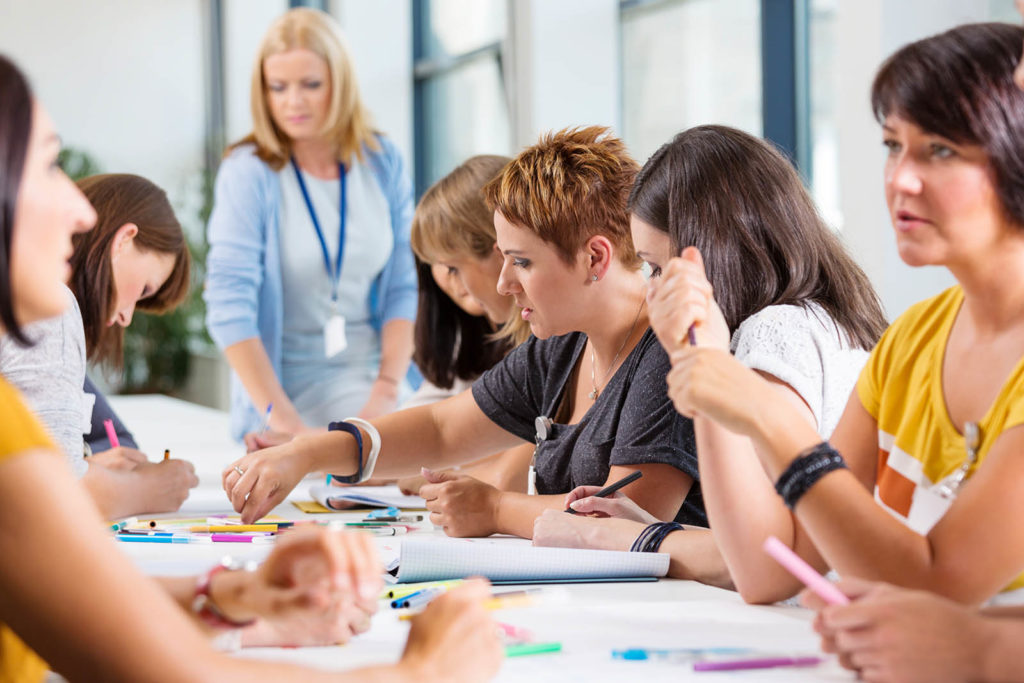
x=569, y=187
x=15, y=129
x=959, y=84
x=121, y=198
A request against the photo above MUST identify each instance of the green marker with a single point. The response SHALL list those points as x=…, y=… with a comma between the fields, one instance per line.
x=522, y=649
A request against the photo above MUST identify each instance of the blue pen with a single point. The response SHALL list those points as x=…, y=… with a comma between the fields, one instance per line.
x=132, y=538
x=683, y=654
x=420, y=597
x=266, y=418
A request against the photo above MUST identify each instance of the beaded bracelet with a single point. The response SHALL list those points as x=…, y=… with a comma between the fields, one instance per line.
x=651, y=538
x=806, y=469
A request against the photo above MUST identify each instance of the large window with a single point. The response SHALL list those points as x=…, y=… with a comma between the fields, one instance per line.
x=688, y=62
x=824, y=95
x=461, y=103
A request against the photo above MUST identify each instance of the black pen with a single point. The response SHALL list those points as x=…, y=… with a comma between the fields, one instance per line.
x=612, y=488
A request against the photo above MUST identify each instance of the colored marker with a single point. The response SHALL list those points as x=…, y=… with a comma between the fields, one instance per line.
x=522, y=649
x=755, y=663
x=612, y=488
x=167, y=454
x=232, y=528
x=111, y=434
x=117, y=526
x=240, y=538
x=682, y=654
x=515, y=632
x=420, y=597
x=410, y=588
x=134, y=538
x=825, y=589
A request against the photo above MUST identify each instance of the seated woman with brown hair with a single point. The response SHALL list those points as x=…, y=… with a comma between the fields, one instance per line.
x=593, y=374
x=136, y=256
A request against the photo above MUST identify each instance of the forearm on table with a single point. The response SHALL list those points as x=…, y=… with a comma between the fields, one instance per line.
x=396, y=346
x=249, y=360
x=518, y=511
x=116, y=493
x=1000, y=651
x=506, y=471
x=695, y=556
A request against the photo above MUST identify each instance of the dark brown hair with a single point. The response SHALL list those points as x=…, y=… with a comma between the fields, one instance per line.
x=740, y=202
x=121, y=198
x=450, y=343
x=15, y=129
x=567, y=188
x=959, y=84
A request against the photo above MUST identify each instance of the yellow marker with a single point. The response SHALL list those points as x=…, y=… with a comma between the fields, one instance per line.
x=395, y=592
x=489, y=604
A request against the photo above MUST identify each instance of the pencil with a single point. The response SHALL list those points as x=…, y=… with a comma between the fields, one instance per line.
x=167, y=454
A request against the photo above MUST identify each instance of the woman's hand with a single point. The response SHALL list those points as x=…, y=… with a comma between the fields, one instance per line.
x=711, y=383
x=257, y=441
x=893, y=634
x=383, y=399
x=454, y=639
x=681, y=297
x=120, y=458
x=165, y=485
x=582, y=500
x=558, y=529
x=317, y=587
x=461, y=505
x=257, y=482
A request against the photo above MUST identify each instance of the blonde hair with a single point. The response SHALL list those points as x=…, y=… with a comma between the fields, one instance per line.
x=452, y=219
x=348, y=124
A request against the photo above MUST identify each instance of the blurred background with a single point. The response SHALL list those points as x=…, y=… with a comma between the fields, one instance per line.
x=159, y=87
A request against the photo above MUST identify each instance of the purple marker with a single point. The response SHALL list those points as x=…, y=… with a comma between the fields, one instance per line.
x=755, y=663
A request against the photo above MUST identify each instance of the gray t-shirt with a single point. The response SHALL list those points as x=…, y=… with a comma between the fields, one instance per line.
x=632, y=422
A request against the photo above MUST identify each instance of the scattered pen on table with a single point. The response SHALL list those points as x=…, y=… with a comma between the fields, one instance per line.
x=520, y=649
x=740, y=664
x=612, y=488
x=167, y=454
x=111, y=434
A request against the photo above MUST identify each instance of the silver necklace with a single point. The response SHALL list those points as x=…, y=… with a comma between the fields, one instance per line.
x=972, y=441
x=593, y=358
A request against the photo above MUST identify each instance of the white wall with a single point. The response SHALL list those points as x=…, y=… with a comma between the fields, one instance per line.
x=122, y=79
x=566, y=65
x=869, y=31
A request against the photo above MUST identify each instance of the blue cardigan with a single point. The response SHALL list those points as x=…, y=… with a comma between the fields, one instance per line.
x=243, y=292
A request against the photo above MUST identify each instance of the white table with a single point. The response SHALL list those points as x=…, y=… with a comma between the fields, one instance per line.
x=590, y=620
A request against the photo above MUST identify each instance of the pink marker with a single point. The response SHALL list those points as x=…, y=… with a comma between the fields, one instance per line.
x=824, y=588
x=112, y=434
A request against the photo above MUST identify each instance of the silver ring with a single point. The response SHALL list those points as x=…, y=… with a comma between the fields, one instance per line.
x=239, y=470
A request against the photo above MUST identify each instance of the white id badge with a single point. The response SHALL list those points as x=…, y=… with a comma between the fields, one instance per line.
x=334, y=336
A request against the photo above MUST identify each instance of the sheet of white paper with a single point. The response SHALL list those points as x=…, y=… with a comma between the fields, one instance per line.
x=435, y=559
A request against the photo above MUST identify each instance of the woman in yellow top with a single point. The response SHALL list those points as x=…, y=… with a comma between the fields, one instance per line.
x=135, y=630
x=921, y=485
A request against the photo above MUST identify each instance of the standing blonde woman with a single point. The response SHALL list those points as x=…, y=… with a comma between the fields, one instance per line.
x=311, y=287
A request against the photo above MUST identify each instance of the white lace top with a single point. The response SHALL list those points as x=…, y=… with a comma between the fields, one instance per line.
x=804, y=348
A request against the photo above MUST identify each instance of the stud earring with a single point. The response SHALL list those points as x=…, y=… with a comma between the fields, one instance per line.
x=593, y=278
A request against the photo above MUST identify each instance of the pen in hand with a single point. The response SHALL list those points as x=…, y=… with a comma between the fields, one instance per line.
x=612, y=488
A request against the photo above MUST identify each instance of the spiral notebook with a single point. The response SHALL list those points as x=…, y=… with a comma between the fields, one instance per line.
x=436, y=559
x=347, y=497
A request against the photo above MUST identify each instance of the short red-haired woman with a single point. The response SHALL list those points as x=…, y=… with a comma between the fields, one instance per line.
x=589, y=385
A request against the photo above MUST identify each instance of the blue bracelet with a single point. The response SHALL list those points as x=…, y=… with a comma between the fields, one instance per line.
x=651, y=538
x=354, y=431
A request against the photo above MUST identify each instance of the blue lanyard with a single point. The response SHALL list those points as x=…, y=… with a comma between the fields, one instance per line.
x=335, y=273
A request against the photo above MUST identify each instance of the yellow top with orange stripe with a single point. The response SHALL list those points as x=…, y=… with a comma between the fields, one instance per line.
x=918, y=444
x=20, y=432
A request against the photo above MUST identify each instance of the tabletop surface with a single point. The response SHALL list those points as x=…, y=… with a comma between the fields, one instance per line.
x=590, y=620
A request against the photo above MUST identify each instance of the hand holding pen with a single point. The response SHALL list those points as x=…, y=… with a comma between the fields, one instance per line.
x=607, y=501
x=682, y=307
